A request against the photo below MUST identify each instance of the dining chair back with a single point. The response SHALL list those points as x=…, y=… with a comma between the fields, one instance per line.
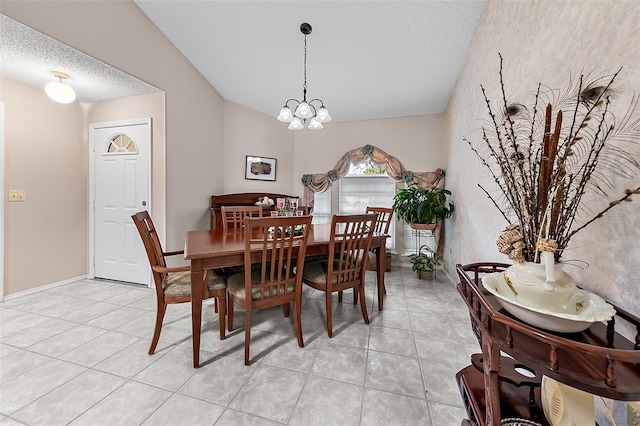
x=304, y=209
x=346, y=263
x=173, y=284
x=274, y=252
x=385, y=215
x=233, y=216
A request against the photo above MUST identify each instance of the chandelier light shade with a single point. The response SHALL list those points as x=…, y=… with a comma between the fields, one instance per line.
x=312, y=112
x=58, y=91
x=295, y=124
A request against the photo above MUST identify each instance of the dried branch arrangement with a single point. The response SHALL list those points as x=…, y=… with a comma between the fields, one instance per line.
x=545, y=158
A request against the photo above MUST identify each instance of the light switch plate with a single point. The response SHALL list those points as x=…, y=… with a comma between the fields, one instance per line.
x=17, y=195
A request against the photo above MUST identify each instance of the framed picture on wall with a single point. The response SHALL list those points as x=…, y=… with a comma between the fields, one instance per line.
x=260, y=168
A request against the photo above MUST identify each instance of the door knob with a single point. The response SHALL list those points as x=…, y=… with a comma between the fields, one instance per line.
x=144, y=203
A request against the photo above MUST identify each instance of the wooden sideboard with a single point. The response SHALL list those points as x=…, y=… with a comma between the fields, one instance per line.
x=598, y=360
x=239, y=199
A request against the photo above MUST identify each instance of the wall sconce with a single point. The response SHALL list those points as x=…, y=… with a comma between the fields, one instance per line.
x=58, y=91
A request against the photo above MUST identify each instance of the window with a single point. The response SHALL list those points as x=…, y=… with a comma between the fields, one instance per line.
x=122, y=144
x=357, y=191
x=365, y=185
x=322, y=207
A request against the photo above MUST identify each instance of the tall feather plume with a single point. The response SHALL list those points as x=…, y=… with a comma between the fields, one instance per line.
x=542, y=175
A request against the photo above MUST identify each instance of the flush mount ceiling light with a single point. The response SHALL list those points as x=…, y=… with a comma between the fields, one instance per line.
x=58, y=91
x=304, y=110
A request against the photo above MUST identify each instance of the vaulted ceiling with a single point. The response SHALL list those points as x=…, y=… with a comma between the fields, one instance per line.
x=365, y=59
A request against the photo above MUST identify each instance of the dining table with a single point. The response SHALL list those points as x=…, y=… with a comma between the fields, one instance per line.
x=218, y=248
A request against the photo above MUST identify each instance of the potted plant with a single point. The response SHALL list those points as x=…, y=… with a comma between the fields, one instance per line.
x=425, y=262
x=422, y=206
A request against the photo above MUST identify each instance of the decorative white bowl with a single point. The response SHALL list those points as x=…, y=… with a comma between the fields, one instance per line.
x=567, y=311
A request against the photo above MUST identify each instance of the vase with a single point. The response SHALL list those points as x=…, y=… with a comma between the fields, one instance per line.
x=534, y=283
x=545, y=296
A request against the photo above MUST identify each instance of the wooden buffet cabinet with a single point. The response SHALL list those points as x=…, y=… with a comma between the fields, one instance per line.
x=239, y=199
x=598, y=360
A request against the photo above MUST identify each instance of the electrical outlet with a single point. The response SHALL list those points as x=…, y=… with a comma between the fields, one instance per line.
x=17, y=195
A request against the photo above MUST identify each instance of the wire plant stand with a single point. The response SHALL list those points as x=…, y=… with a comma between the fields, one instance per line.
x=424, y=232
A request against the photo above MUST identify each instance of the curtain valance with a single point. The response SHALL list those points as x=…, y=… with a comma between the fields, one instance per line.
x=320, y=182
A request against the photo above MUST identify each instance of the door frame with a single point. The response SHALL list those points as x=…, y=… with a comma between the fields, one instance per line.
x=92, y=180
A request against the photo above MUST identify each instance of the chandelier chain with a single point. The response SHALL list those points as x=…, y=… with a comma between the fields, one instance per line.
x=305, y=65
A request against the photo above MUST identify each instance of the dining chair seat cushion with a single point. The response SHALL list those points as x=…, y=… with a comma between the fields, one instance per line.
x=235, y=285
x=316, y=271
x=178, y=284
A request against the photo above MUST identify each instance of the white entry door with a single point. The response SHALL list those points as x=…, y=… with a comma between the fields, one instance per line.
x=121, y=187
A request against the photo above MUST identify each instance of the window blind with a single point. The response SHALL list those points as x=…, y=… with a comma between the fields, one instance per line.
x=359, y=191
x=322, y=207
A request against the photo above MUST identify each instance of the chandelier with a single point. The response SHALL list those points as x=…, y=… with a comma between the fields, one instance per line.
x=304, y=110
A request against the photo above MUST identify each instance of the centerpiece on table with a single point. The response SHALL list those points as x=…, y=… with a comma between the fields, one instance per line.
x=287, y=207
x=544, y=159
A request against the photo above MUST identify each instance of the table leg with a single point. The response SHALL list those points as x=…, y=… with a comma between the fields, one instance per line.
x=381, y=255
x=197, y=281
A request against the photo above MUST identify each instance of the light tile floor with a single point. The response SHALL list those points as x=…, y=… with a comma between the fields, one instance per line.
x=77, y=354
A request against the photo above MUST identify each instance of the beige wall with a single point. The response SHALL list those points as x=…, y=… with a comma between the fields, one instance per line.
x=247, y=132
x=546, y=42
x=45, y=155
x=46, y=147
x=194, y=110
x=192, y=167
x=416, y=141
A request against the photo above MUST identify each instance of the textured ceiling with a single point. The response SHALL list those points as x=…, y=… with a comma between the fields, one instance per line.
x=366, y=59
x=29, y=56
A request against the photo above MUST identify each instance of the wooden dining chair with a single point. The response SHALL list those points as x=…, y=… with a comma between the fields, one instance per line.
x=385, y=215
x=173, y=284
x=304, y=210
x=233, y=216
x=383, y=221
x=274, y=253
x=346, y=263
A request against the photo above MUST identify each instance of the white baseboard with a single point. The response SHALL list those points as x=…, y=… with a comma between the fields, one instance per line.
x=44, y=287
x=446, y=274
